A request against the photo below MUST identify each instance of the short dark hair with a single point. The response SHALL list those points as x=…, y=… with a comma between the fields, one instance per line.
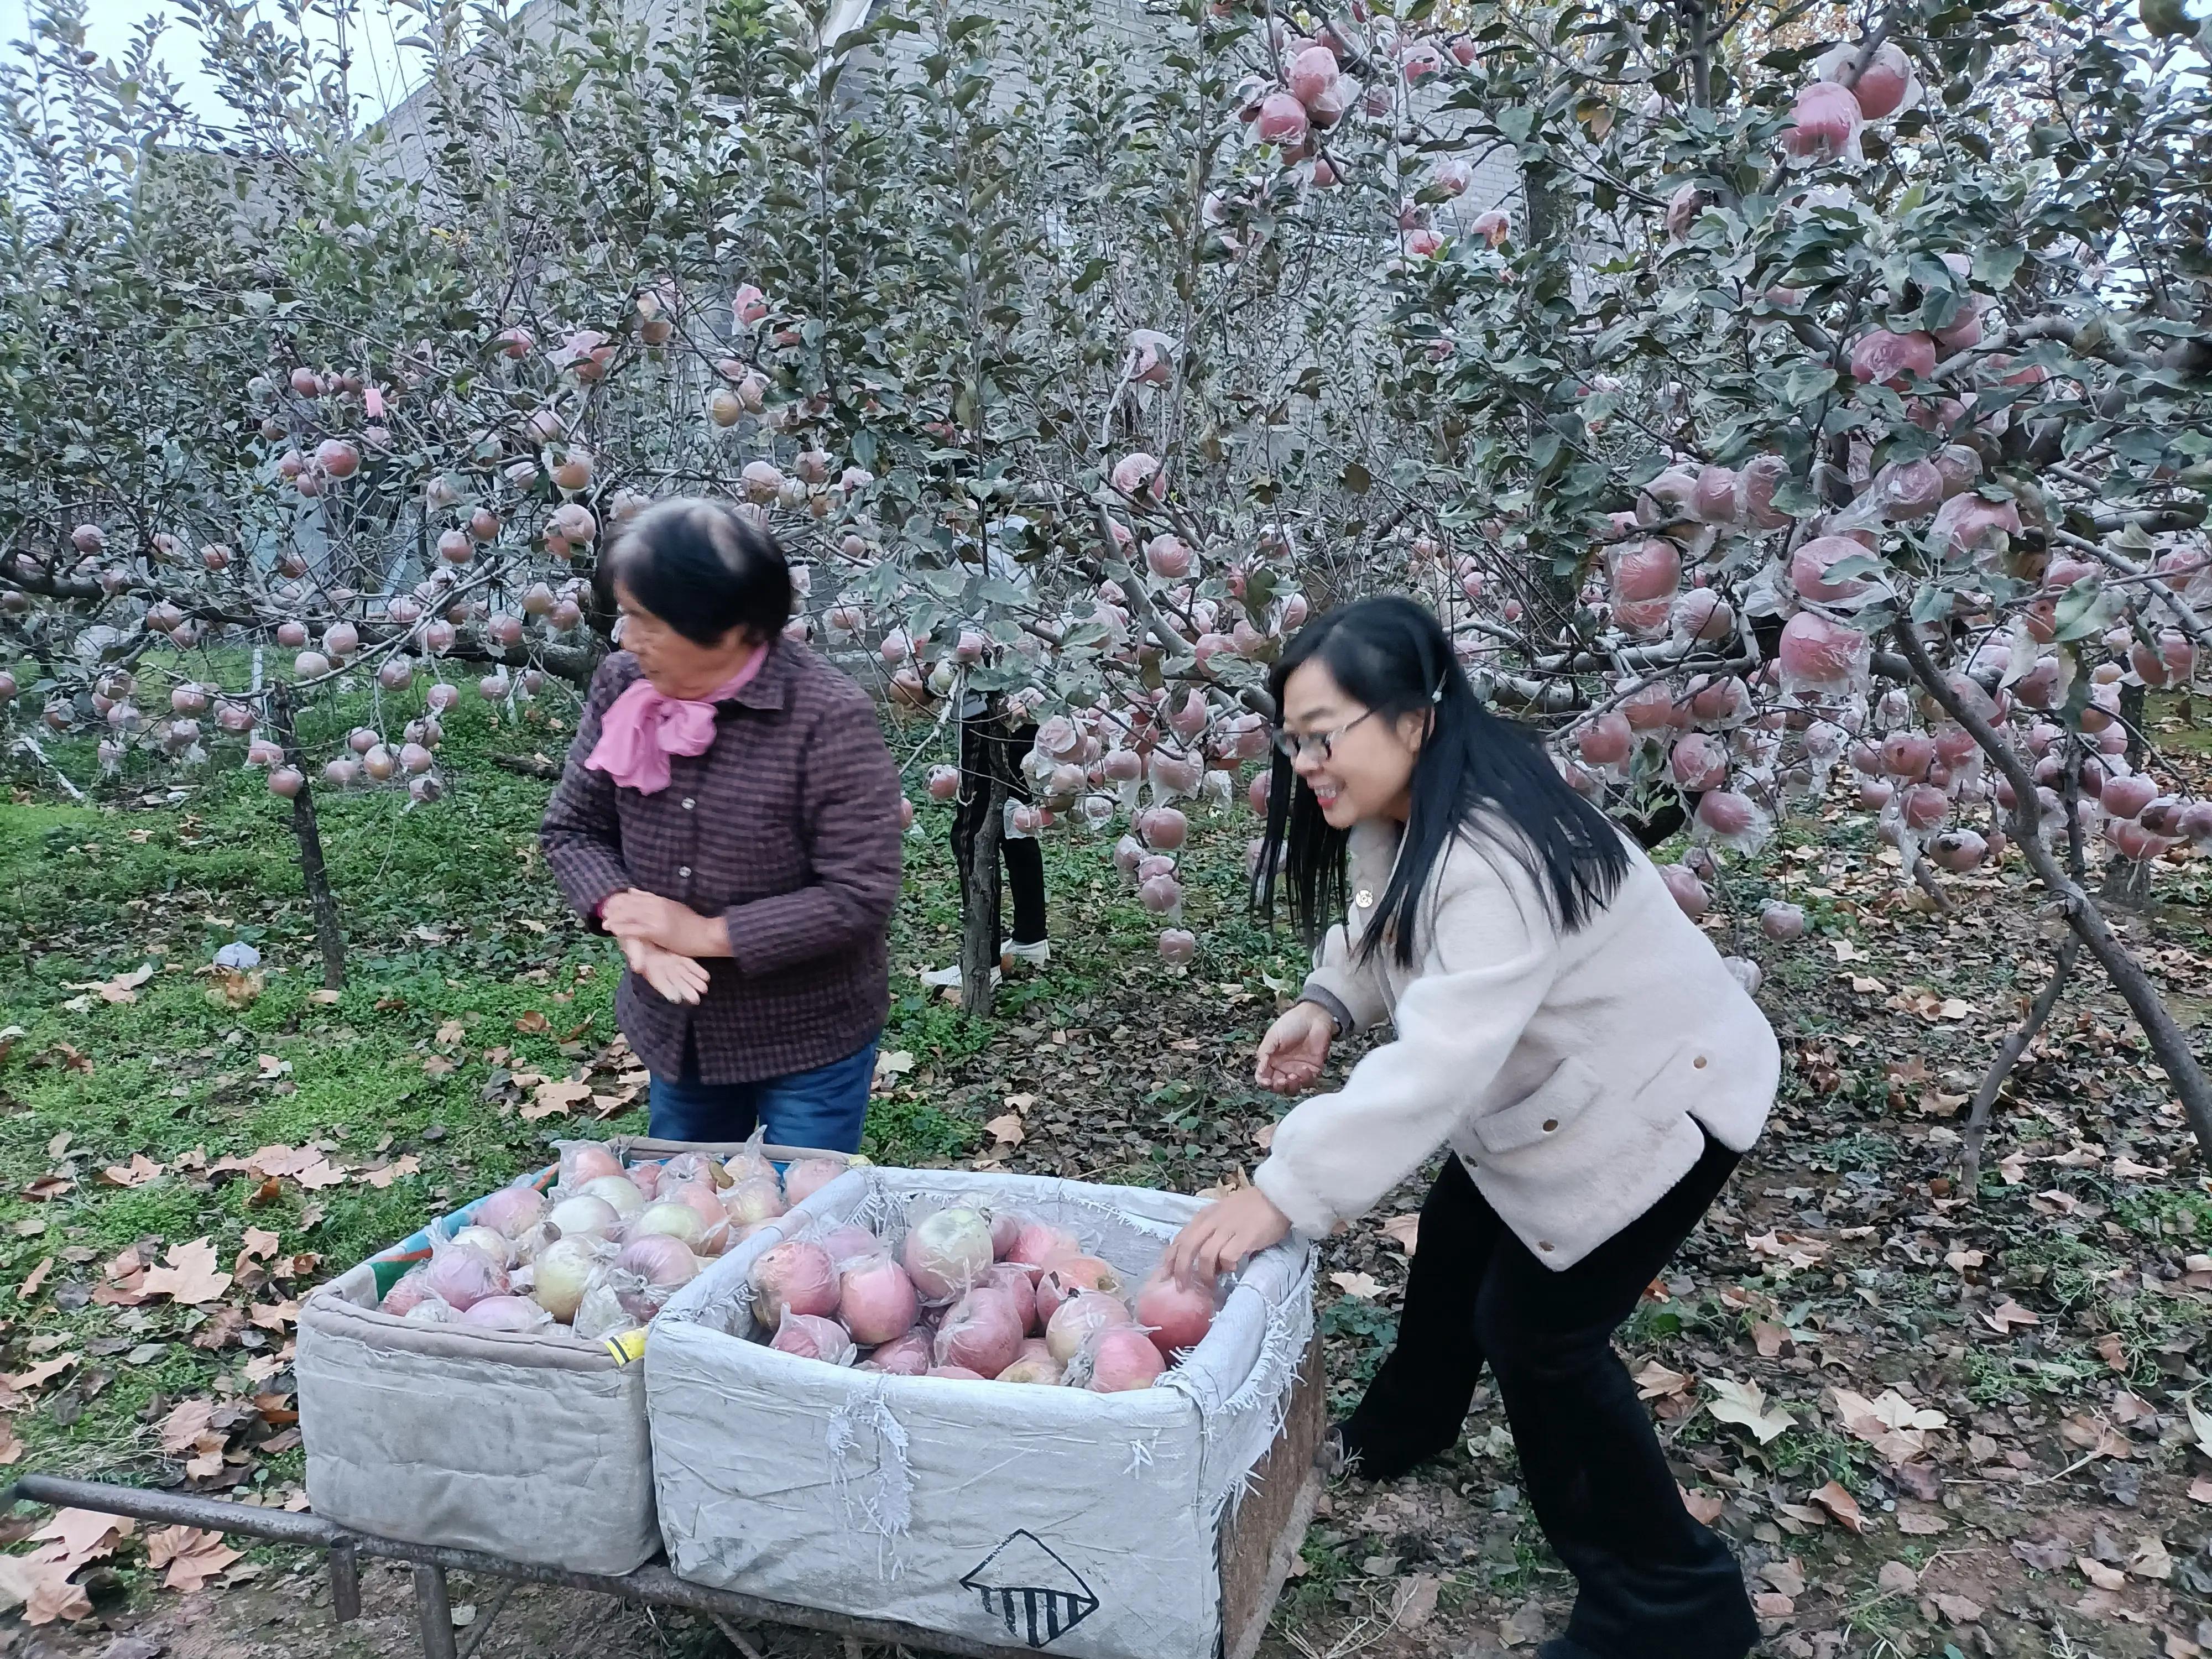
x=703, y=567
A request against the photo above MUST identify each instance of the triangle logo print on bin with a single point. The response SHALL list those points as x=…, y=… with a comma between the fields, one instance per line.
x=1037, y=1596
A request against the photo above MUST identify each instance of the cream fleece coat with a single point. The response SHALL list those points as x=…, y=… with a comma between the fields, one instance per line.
x=1571, y=1072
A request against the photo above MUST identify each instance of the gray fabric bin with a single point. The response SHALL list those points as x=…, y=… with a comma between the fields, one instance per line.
x=530, y=1447
x=1024, y=1516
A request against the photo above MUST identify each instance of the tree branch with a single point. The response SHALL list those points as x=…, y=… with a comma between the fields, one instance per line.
x=2008, y=1056
x=2169, y=1044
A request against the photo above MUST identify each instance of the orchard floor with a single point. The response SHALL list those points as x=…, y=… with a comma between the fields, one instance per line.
x=2033, y=1343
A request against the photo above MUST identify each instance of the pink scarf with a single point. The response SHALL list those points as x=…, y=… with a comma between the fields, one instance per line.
x=643, y=727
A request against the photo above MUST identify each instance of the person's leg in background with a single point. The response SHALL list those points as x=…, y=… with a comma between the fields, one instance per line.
x=1413, y=1409
x=1655, y=1584
x=826, y=1109
x=684, y=1109
x=1024, y=859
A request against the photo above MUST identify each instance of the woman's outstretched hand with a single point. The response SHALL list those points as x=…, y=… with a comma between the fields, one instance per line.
x=677, y=978
x=1222, y=1234
x=1295, y=1048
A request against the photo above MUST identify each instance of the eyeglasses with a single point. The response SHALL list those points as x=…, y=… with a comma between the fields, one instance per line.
x=1297, y=744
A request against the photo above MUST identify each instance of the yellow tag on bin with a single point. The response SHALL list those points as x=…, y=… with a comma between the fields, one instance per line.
x=627, y=1347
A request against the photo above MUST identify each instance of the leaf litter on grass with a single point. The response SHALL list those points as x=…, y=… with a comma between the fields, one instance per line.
x=1839, y=1262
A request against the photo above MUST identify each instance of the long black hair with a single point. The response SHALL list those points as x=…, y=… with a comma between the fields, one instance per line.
x=1392, y=656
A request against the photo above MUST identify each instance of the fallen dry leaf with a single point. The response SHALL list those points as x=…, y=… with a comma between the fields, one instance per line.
x=2200, y=1490
x=76, y=1536
x=123, y=988
x=1414, y=1603
x=2104, y=1577
x=554, y=1098
x=1959, y=1609
x=1655, y=1382
x=1891, y=1424
x=1007, y=1129
x=136, y=1173
x=42, y=1589
x=1896, y=1578
x=44, y=1372
x=1745, y=1403
x=2150, y=1560
x=407, y=1165
x=1404, y=1231
x=1920, y=1524
x=186, y=1422
x=192, y=1557
x=1235, y=1182
x=2200, y=1424
x=2008, y=1317
x=34, y=1279
x=188, y=1275
x=1704, y=1507
x=2095, y=1437
x=1365, y=1286
x=276, y=1316
x=1838, y=1502
x=1785, y=1577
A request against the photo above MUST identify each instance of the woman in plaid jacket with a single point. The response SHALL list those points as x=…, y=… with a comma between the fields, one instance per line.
x=730, y=814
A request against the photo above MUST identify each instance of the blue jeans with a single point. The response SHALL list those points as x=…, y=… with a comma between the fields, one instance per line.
x=825, y=1108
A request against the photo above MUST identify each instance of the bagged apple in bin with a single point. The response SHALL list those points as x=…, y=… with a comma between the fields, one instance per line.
x=947, y=1250
x=650, y=1268
x=810, y=1336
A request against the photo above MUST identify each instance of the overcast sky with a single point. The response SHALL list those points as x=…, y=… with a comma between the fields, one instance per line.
x=382, y=74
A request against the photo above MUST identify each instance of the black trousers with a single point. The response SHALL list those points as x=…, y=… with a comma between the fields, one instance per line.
x=1655, y=1584
x=1024, y=858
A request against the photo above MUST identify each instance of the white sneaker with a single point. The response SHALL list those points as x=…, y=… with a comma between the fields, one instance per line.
x=1036, y=955
x=949, y=978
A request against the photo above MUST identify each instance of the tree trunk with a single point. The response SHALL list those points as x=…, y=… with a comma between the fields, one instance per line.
x=2169, y=1044
x=975, y=835
x=329, y=936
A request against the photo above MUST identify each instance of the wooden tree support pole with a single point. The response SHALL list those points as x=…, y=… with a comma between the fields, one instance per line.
x=2169, y=1044
x=330, y=937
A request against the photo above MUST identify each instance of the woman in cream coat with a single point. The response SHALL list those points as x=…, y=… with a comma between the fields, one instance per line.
x=1571, y=1038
